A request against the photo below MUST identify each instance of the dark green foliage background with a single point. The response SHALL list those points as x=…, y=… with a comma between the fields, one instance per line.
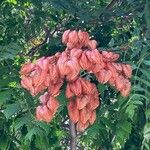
x=120, y=25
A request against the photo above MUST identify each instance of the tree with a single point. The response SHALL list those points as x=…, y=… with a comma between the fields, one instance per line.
x=32, y=29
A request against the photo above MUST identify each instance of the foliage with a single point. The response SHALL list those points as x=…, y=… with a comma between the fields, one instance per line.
x=30, y=29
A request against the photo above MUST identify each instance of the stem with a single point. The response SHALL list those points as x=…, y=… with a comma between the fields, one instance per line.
x=49, y=35
x=73, y=135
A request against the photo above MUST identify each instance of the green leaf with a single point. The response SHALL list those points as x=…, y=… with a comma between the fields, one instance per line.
x=123, y=131
x=4, y=96
x=24, y=120
x=137, y=102
x=146, y=145
x=34, y=131
x=93, y=130
x=30, y=133
x=146, y=72
x=60, y=4
x=54, y=17
x=4, y=141
x=44, y=126
x=147, y=83
x=62, y=99
x=146, y=62
x=138, y=88
x=147, y=129
x=42, y=142
x=4, y=83
x=101, y=89
x=9, y=51
x=137, y=96
x=147, y=113
x=130, y=110
x=147, y=13
x=111, y=43
x=11, y=109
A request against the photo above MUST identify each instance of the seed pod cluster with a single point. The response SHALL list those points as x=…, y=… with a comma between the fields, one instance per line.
x=47, y=110
x=49, y=73
x=83, y=100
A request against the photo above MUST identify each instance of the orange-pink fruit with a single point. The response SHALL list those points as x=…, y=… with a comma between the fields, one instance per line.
x=81, y=54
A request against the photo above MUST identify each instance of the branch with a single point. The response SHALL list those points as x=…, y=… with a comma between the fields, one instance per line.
x=49, y=35
x=108, y=7
x=111, y=4
x=73, y=135
x=33, y=50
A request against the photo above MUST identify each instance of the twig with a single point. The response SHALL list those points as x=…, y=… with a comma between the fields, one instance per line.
x=108, y=7
x=49, y=35
x=73, y=135
x=33, y=50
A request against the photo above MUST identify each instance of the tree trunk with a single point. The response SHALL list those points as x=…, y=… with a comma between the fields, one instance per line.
x=72, y=135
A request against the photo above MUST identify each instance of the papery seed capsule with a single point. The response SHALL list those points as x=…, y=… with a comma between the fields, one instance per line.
x=27, y=68
x=76, y=87
x=69, y=93
x=109, y=56
x=84, y=62
x=47, y=81
x=38, y=115
x=126, y=90
x=73, y=111
x=62, y=65
x=83, y=38
x=112, y=69
x=52, y=104
x=53, y=72
x=73, y=37
x=104, y=75
x=117, y=66
x=74, y=69
x=46, y=114
x=92, y=44
x=38, y=89
x=26, y=83
x=70, y=45
x=92, y=117
x=44, y=98
x=87, y=87
x=127, y=69
x=81, y=127
x=75, y=52
x=120, y=82
x=54, y=89
x=112, y=81
x=82, y=101
x=84, y=115
x=94, y=103
x=65, y=36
